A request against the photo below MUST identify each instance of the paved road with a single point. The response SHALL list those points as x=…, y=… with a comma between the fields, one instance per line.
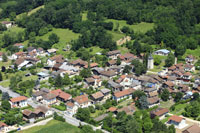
x=10, y=92
x=75, y=121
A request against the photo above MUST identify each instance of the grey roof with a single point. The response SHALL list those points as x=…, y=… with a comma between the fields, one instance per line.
x=49, y=96
x=43, y=74
x=66, y=67
x=150, y=57
x=113, y=84
x=45, y=90
x=105, y=90
x=38, y=93
x=101, y=117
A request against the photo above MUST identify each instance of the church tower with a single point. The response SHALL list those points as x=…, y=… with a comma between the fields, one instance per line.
x=150, y=64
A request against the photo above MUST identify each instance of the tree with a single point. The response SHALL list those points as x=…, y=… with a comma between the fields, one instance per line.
x=137, y=94
x=137, y=47
x=5, y=58
x=139, y=68
x=5, y=96
x=196, y=96
x=1, y=77
x=165, y=95
x=142, y=102
x=118, y=61
x=66, y=80
x=86, y=129
x=53, y=38
x=6, y=105
x=170, y=60
x=193, y=109
x=85, y=73
x=3, y=69
x=178, y=96
x=127, y=69
x=58, y=81
x=133, y=126
x=157, y=61
x=83, y=114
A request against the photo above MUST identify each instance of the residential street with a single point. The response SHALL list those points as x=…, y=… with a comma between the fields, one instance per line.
x=10, y=92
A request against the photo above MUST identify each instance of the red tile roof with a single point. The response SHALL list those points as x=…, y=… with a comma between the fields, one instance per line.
x=97, y=95
x=18, y=99
x=175, y=118
x=61, y=94
x=124, y=93
x=112, y=109
x=81, y=99
x=2, y=124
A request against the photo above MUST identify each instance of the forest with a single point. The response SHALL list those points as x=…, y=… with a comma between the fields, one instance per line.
x=176, y=22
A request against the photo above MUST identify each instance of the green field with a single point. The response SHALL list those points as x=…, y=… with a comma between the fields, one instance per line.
x=195, y=52
x=53, y=127
x=116, y=35
x=179, y=109
x=142, y=27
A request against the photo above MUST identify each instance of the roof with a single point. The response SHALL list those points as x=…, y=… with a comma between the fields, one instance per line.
x=61, y=94
x=152, y=100
x=19, y=61
x=129, y=56
x=128, y=109
x=79, y=62
x=6, y=22
x=56, y=92
x=89, y=80
x=20, y=53
x=175, y=118
x=152, y=94
x=112, y=62
x=192, y=129
x=169, y=83
x=113, y=52
x=187, y=74
x=124, y=93
x=69, y=104
x=104, y=91
x=2, y=124
x=58, y=58
x=101, y=117
x=27, y=112
x=49, y=96
x=112, y=109
x=160, y=111
x=163, y=51
x=38, y=93
x=1, y=53
x=42, y=109
x=18, y=44
x=97, y=95
x=108, y=73
x=81, y=99
x=18, y=99
x=91, y=65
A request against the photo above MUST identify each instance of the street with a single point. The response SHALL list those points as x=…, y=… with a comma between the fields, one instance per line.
x=10, y=92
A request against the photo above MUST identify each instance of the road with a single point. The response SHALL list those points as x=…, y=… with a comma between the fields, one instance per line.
x=75, y=121
x=10, y=92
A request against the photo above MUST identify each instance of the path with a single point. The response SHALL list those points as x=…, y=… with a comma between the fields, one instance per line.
x=44, y=122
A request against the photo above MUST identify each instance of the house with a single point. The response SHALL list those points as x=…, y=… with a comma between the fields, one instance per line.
x=189, y=59
x=113, y=54
x=51, y=51
x=97, y=97
x=129, y=110
x=123, y=94
x=31, y=49
x=17, y=55
x=38, y=95
x=7, y=24
x=49, y=99
x=26, y=62
x=97, y=70
x=159, y=112
x=28, y=115
x=42, y=111
x=71, y=108
x=79, y=63
x=71, y=70
x=1, y=55
x=111, y=62
x=177, y=121
x=115, y=86
x=112, y=109
x=82, y=101
x=189, y=68
x=92, y=65
x=20, y=101
x=90, y=81
x=108, y=74
x=101, y=117
x=168, y=84
x=62, y=96
x=192, y=129
x=19, y=45
x=43, y=76
x=153, y=101
x=3, y=127
x=163, y=52
x=59, y=59
x=187, y=76
x=106, y=93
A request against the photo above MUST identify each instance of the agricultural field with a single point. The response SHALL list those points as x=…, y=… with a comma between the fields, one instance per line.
x=52, y=127
x=142, y=27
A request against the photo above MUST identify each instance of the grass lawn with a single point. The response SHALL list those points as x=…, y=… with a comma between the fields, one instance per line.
x=179, y=109
x=125, y=103
x=195, y=52
x=166, y=104
x=116, y=35
x=5, y=83
x=123, y=49
x=165, y=119
x=141, y=27
x=5, y=64
x=52, y=127
x=84, y=16
x=97, y=113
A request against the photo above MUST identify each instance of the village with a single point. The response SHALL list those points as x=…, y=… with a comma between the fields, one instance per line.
x=112, y=87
